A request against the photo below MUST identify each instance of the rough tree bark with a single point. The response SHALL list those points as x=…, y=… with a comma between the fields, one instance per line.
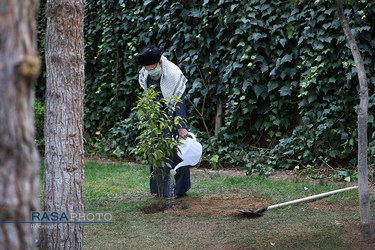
x=362, y=111
x=219, y=113
x=19, y=67
x=63, y=129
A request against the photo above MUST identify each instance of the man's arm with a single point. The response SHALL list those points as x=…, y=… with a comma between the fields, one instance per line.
x=181, y=111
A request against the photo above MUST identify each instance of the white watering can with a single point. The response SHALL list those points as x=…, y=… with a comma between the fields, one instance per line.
x=190, y=152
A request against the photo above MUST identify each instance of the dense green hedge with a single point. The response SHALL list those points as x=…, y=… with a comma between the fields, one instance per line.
x=283, y=71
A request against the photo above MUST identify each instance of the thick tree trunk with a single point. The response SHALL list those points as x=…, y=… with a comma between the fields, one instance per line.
x=19, y=67
x=63, y=129
x=362, y=111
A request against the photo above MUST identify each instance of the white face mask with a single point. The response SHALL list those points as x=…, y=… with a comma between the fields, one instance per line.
x=155, y=73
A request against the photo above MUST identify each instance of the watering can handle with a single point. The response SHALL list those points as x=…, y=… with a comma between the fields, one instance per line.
x=192, y=135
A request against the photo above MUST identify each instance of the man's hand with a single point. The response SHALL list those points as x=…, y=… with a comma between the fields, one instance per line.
x=183, y=133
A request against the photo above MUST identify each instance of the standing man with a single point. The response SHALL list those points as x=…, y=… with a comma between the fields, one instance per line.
x=168, y=79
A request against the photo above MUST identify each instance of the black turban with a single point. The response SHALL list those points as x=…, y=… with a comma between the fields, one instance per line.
x=149, y=56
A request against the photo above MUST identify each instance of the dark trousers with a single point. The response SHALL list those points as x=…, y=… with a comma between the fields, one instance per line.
x=182, y=177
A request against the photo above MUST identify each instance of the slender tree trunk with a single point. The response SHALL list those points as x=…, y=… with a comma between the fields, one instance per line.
x=219, y=113
x=63, y=129
x=362, y=111
x=19, y=67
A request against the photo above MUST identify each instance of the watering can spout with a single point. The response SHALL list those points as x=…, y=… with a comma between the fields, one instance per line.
x=173, y=172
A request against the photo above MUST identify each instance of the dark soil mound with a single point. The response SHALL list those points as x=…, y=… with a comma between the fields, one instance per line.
x=211, y=206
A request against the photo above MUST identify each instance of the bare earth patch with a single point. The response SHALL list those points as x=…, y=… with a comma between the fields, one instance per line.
x=222, y=172
x=153, y=208
x=216, y=206
x=207, y=206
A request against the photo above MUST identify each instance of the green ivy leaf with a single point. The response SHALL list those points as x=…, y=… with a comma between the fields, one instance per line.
x=289, y=30
x=245, y=85
x=257, y=36
x=286, y=58
x=285, y=91
x=258, y=90
x=272, y=85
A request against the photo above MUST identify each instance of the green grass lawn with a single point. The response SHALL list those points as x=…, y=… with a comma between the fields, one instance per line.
x=324, y=224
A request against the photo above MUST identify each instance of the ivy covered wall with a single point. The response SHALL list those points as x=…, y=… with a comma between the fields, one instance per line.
x=283, y=73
